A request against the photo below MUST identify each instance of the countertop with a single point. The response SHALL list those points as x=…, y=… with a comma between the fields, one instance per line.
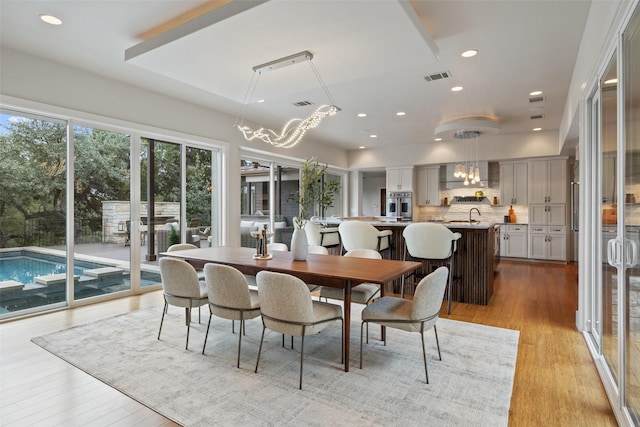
x=379, y=222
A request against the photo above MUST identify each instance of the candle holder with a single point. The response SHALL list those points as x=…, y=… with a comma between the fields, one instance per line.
x=261, y=237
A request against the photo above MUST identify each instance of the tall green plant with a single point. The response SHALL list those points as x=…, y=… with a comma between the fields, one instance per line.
x=314, y=196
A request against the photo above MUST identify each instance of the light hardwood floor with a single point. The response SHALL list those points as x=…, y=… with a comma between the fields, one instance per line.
x=556, y=383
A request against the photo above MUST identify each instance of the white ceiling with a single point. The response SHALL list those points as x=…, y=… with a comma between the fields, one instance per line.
x=369, y=53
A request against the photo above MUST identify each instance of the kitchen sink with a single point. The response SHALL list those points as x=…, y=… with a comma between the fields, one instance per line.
x=463, y=221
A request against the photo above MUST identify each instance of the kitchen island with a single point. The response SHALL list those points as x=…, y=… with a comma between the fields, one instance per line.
x=474, y=262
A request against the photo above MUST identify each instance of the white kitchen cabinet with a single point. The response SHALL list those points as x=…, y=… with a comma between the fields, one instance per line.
x=514, y=183
x=548, y=214
x=548, y=181
x=400, y=179
x=428, y=186
x=514, y=241
x=548, y=242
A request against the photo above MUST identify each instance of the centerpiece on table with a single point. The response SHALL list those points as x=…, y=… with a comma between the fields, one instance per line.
x=314, y=197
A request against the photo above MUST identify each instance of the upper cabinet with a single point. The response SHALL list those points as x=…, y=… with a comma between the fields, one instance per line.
x=513, y=183
x=548, y=181
x=400, y=179
x=428, y=186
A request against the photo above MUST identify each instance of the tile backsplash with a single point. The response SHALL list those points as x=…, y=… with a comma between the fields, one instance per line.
x=460, y=211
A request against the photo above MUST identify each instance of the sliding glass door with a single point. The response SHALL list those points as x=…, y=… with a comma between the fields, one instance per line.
x=631, y=79
x=33, y=211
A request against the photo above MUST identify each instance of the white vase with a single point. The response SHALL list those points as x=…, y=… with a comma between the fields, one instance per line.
x=299, y=245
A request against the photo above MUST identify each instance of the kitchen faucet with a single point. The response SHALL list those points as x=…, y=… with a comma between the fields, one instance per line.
x=471, y=210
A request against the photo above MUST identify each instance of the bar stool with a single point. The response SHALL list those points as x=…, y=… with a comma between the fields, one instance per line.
x=362, y=235
x=429, y=242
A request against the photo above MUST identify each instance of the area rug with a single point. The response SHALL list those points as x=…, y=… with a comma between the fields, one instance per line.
x=472, y=384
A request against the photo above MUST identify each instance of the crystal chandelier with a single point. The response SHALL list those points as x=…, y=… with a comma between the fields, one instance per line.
x=293, y=131
x=468, y=169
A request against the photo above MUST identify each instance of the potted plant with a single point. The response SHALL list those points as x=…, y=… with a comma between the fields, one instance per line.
x=314, y=197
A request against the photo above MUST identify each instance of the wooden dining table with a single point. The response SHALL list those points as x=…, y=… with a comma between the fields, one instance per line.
x=326, y=270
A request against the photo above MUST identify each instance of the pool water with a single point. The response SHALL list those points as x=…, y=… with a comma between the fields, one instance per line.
x=25, y=268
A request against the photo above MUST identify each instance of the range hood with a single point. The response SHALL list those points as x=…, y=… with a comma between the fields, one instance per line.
x=470, y=200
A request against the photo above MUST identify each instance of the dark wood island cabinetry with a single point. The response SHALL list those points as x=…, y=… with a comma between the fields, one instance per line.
x=474, y=262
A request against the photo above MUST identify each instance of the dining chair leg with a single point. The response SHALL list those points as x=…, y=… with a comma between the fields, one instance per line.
x=242, y=326
x=301, y=354
x=424, y=357
x=437, y=342
x=260, y=348
x=186, y=347
x=342, y=342
x=449, y=285
x=162, y=319
x=361, y=332
x=207, y=333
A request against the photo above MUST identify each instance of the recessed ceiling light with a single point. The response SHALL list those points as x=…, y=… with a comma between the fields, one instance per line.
x=362, y=114
x=362, y=147
x=537, y=129
x=400, y=113
x=373, y=135
x=456, y=89
x=535, y=93
x=50, y=19
x=469, y=53
x=438, y=139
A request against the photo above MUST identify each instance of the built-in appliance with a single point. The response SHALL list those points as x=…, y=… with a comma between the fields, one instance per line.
x=400, y=205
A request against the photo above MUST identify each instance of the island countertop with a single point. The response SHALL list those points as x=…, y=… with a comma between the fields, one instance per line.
x=381, y=222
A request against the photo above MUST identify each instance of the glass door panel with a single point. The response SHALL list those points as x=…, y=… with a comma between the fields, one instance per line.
x=631, y=75
x=33, y=182
x=160, y=179
x=102, y=221
x=199, y=196
x=608, y=220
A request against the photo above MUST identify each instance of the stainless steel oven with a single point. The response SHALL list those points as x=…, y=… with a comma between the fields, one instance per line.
x=400, y=205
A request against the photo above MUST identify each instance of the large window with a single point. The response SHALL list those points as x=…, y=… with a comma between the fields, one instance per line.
x=76, y=221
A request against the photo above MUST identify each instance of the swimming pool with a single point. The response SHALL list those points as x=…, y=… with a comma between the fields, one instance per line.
x=24, y=266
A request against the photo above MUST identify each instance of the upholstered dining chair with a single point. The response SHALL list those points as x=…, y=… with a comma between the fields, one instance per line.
x=271, y=247
x=430, y=243
x=280, y=247
x=229, y=298
x=362, y=235
x=418, y=315
x=287, y=308
x=321, y=236
x=181, y=288
x=184, y=247
x=362, y=293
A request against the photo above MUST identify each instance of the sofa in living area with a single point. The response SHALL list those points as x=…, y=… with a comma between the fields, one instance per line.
x=162, y=236
x=283, y=229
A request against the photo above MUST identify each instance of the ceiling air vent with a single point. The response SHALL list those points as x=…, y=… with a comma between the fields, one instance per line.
x=534, y=99
x=302, y=103
x=537, y=116
x=438, y=76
